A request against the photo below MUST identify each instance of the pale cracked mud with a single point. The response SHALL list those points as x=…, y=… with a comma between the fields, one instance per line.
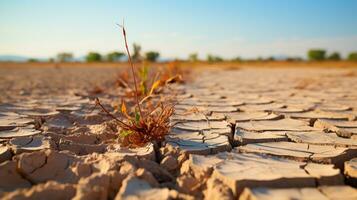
x=249, y=133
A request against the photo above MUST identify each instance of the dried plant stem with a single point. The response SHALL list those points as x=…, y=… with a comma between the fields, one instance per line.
x=132, y=69
x=97, y=102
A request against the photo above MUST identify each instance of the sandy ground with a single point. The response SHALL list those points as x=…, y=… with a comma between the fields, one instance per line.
x=28, y=79
x=264, y=133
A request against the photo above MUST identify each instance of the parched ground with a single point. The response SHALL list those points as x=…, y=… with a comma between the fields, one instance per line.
x=246, y=133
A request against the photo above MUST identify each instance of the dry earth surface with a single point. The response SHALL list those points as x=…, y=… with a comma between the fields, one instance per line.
x=247, y=133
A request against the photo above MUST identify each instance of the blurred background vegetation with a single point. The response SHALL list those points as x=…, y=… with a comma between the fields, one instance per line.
x=312, y=55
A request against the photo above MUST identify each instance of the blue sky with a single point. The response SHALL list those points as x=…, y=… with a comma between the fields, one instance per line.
x=229, y=28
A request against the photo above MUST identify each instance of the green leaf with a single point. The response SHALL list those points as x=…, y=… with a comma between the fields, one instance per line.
x=143, y=73
x=125, y=133
x=137, y=117
x=143, y=88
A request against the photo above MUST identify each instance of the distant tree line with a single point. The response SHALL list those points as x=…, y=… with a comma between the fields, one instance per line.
x=312, y=55
x=321, y=55
x=114, y=56
x=153, y=56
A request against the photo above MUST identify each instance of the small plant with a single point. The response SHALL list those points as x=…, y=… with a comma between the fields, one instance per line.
x=152, y=80
x=147, y=121
x=139, y=129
